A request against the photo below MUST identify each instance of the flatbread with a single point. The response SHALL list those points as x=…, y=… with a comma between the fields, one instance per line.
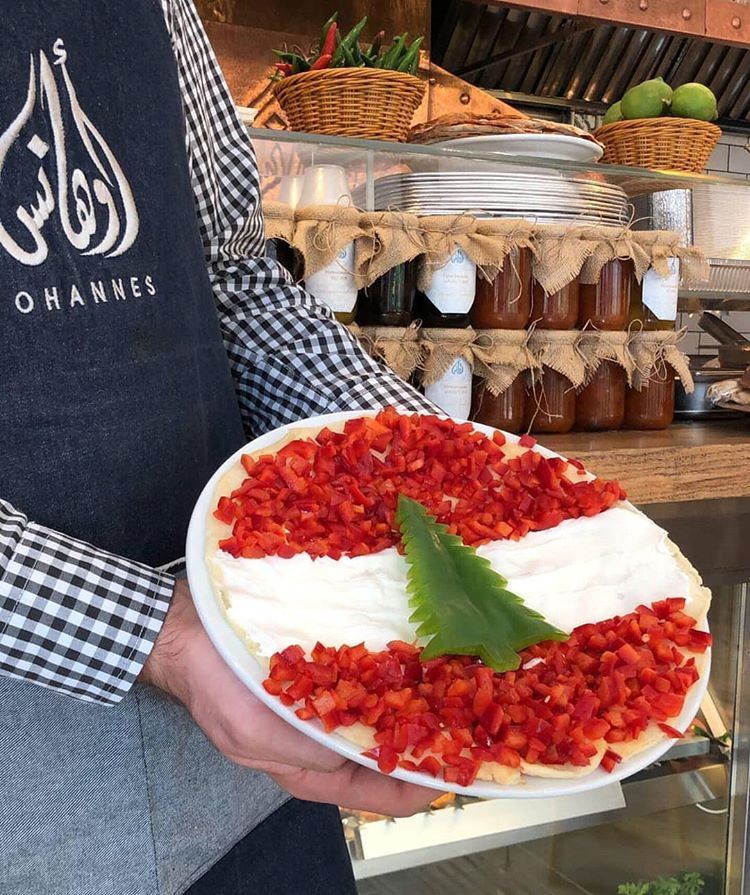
x=697, y=604
x=466, y=124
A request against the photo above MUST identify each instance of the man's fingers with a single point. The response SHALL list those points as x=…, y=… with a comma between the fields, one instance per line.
x=355, y=786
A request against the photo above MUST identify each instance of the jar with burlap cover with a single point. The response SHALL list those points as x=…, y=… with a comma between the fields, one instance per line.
x=501, y=361
x=321, y=231
x=661, y=245
x=599, y=346
x=397, y=347
x=441, y=348
x=500, y=357
x=652, y=353
x=492, y=241
x=558, y=350
x=441, y=235
x=388, y=239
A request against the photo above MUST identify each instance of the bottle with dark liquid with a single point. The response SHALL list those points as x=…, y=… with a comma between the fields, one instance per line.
x=389, y=301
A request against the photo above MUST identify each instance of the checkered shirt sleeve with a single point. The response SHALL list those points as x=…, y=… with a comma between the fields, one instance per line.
x=290, y=358
x=74, y=618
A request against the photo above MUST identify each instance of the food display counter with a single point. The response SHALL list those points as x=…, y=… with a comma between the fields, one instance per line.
x=679, y=827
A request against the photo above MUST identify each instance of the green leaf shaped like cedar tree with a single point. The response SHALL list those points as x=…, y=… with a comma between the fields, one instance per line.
x=459, y=598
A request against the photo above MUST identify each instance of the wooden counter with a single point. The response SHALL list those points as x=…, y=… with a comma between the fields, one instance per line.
x=688, y=461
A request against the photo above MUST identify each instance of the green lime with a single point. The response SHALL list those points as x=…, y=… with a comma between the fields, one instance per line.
x=614, y=113
x=694, y=101
x=650, y=99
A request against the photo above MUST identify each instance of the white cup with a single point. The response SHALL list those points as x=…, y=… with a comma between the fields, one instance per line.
x=325, y=185
x=290, y=189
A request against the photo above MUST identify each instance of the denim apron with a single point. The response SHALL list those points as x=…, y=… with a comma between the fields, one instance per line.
x=117, y=406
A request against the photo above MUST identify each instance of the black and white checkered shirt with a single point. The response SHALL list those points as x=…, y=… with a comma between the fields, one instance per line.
x=81, y=620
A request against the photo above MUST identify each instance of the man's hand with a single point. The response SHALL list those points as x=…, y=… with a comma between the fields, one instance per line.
x=185, y=665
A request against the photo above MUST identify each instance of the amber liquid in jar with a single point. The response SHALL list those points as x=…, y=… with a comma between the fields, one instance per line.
x=505, y=303
x=504, y=411
x=606, y=305
x=601, y=404
x=556, y=311
x=550, y=403
x=653, y=406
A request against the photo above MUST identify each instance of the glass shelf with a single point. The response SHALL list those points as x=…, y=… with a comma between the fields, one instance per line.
x=320, y=149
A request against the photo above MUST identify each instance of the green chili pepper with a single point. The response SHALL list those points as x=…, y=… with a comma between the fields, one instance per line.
x=390, y=60
x=411, y=59
x=348, y=41
x=349, y=58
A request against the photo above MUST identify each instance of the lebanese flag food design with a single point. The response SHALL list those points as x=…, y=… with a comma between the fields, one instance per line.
x=326, y=502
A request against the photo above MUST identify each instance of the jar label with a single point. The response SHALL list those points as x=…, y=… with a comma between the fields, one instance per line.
x=454, y=284
x=660, y=293
x=334, y=284
x=452, y=391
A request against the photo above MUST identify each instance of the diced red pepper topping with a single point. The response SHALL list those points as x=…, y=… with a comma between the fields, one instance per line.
x=607, y=683
x=336, y=495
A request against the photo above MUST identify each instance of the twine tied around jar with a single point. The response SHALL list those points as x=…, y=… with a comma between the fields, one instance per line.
x=614, y=244
x=388, y=239
x=321, y=232
x=441, y=235
x=493, y=241
x=558, y=350
x=500, y=356
x=651, y=352
x=661, y=245
x=598, y=346
x=397, y=346
x=441, y=349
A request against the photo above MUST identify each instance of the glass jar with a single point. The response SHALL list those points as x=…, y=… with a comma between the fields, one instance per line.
x=334, y=285
x=550, y=403
x=558, y=310
x=389, y=301
x=505, y=303
x=450, y=295
x=653, y=406
x=601, y=404
x=606, y=305
x=503, y=411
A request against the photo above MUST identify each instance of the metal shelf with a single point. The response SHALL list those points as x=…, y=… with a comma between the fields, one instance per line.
x=390, y=845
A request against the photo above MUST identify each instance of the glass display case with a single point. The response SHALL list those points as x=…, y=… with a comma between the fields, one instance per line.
x=683, y=821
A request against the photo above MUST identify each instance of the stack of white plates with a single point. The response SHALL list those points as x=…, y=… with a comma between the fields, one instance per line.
x=546, y=197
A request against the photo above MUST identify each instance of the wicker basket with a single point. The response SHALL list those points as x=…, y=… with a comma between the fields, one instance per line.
x=351, y=102
x=664, y=144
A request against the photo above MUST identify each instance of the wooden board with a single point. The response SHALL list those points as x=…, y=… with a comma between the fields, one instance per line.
x=688, y=461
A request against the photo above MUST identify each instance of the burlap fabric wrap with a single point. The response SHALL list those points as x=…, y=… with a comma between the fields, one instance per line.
x=441, y=235
x=321, y=231
x=500, y=356
x=598, y=346
x=652, y=352
x=492, y=241
x=560, y=251
x=558, y=350
x=279, y=220
x=660, y=245
x=614, y=244
x=388, y=238
x=398, y=347
x=441, y=348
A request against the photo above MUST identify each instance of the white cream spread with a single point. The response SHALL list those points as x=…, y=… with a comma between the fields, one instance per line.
x=584, y=570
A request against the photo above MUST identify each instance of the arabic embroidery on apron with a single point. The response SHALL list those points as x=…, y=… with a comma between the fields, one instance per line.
x=118, y=400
